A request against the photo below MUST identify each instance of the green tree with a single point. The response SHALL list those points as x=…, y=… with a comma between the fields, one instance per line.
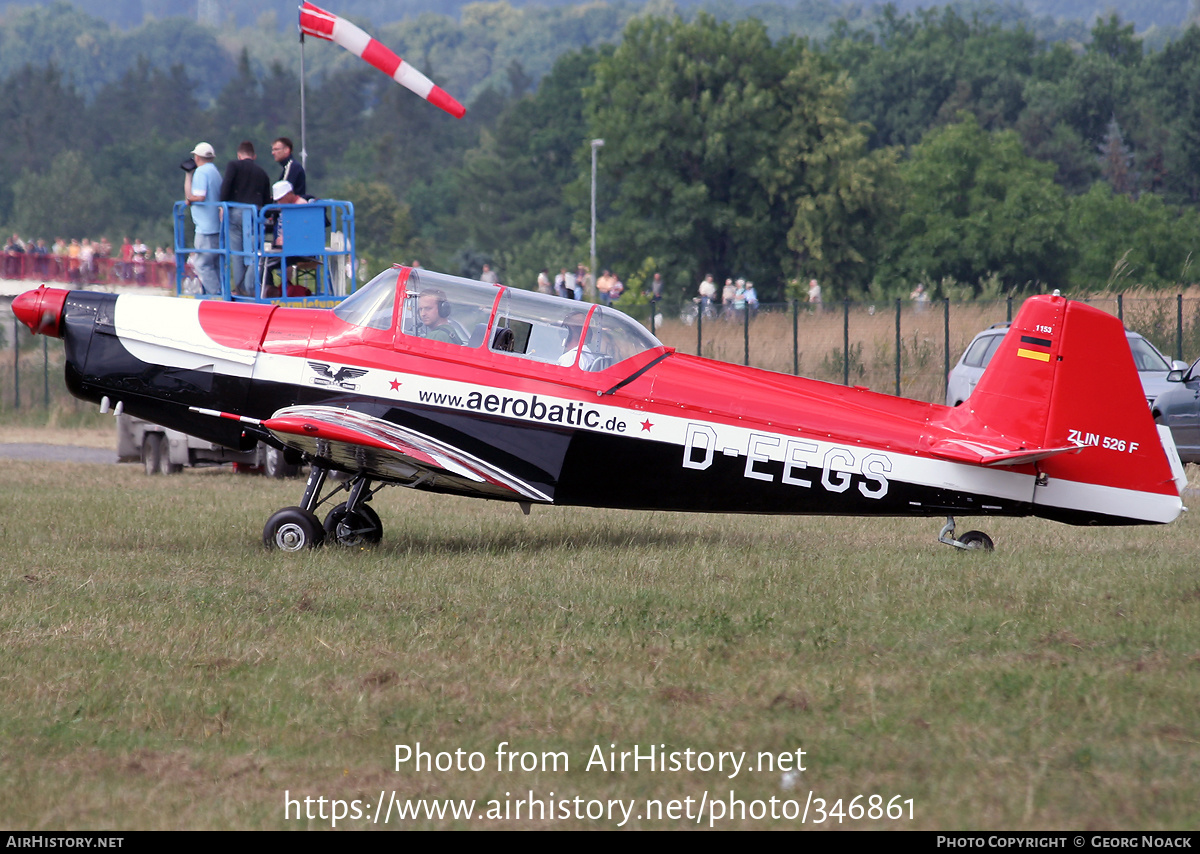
x=240, y=103
x=1173, y=87
x=1048, y=137
x=382, y=225
x=92, y=54
x=919, y=70
x=977, y=205
x=515, y=204
x=1071, y=102
x=83, y=47
x=1125, y=242
x=65, y=200
x=720, y=148
x=38, y=118
x=840, y=194
x=1116, y=41
x=144, y=100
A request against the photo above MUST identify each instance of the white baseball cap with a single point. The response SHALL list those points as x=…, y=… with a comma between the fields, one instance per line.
x=204, y=150
x=281, y=189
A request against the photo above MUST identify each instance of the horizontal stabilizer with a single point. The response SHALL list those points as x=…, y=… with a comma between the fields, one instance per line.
x=977, y=453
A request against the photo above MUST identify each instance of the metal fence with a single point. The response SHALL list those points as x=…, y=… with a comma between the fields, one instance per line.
x=899, y=347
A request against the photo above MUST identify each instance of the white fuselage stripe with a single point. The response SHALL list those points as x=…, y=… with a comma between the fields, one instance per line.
x=1109, y=500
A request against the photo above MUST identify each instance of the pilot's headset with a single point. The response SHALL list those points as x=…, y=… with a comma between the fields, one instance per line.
x=443, y=304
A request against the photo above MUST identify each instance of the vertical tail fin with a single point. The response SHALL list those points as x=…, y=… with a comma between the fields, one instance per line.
x=1064, y=376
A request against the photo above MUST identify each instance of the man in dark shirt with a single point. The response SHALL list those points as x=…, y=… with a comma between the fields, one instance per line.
x=244, y=182
x=292, y=172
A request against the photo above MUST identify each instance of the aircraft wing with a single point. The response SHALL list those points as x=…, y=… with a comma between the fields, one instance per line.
x=359, y=442
x=984, y=454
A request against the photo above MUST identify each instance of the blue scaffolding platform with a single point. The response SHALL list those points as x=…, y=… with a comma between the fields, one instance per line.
x=295, y=254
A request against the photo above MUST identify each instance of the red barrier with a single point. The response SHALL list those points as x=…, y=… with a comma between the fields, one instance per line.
x=35, y=267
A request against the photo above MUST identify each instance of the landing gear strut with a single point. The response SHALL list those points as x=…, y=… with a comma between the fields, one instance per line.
x=970, y=541
x=351, y=523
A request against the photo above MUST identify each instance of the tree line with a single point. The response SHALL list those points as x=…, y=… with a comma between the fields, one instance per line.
x=957, y=150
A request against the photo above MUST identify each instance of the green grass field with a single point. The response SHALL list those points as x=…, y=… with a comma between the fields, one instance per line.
x=162, y=670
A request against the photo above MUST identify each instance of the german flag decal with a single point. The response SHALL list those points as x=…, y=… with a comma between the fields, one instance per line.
x=1040, y=355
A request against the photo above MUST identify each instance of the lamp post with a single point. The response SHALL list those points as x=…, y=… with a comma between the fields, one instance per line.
x=596, y=145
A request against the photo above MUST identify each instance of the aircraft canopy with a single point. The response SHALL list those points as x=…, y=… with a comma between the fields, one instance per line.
x=524, y=324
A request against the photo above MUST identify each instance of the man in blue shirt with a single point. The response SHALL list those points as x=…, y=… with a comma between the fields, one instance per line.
x=202, y=189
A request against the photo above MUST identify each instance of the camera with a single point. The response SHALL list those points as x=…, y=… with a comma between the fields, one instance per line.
x=188, y=165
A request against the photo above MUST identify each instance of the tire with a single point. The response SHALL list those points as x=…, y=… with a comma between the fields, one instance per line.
x=274, y=464
x=977, y=541
x=165, y=466
x=293, y=530
x=358, y=529
x=152, y=453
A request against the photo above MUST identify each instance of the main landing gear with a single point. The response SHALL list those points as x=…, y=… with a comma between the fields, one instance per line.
x=351, y=523
x=970, y=541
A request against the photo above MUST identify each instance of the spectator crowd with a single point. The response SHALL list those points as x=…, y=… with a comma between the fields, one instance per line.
x=88, y=262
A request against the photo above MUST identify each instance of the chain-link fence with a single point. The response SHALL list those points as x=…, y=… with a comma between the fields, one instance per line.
x=900, y=347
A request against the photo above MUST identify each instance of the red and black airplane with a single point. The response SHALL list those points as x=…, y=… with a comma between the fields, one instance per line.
x=456, y=386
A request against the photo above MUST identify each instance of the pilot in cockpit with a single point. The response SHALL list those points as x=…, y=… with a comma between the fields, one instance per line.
x=590, y=359
x=433, y=310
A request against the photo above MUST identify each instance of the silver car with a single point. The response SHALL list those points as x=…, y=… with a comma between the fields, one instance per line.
x=1152, y=365
x=1179, y=408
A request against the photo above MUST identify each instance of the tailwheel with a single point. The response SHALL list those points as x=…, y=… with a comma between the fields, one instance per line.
x=293, y=529
x=358, y=527
x=977, y=540
x=970, y=541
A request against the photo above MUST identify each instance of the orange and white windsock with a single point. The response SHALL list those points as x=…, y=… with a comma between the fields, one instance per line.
x=315, y=21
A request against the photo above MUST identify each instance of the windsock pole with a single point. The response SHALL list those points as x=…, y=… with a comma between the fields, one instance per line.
x=303, y=117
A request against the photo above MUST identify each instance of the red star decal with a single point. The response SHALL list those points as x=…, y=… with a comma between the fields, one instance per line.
x=646, y=425
x=395, y=385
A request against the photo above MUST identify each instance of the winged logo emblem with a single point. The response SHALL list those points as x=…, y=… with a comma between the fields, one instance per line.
x=341, y=379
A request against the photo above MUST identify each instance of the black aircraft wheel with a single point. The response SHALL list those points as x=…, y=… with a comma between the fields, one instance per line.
x=293, y=530
x=358, y=528
x=977, y=541
x=152, y=452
